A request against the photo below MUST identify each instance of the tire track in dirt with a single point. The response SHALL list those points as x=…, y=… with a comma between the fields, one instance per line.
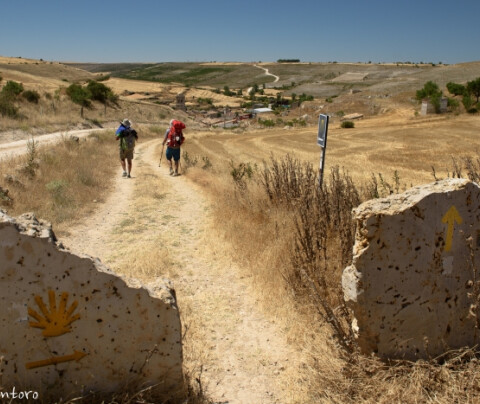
x=239, y=354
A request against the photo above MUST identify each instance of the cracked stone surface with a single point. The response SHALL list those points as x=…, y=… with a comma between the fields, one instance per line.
x=415, y=269
x=70, y=325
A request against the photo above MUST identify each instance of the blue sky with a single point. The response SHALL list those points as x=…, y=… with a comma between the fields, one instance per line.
x=220, y=30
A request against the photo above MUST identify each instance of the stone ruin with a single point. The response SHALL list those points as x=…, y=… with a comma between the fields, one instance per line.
x=415, y=273
x=429, y=108
x=71, y=326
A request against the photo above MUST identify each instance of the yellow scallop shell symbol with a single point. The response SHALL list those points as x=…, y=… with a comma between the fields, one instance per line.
x=54, y=320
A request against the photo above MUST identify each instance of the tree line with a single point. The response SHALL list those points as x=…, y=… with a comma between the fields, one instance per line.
x=470, y=93
x=81, y=95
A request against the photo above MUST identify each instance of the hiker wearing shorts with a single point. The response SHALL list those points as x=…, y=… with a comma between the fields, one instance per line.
x=174, y=139
x=127, y=137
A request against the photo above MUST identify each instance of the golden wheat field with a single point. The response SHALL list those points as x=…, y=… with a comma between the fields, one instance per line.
x=411, y=146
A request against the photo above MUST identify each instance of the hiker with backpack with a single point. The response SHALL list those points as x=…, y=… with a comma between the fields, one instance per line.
x=127, y=137
x=174, y=139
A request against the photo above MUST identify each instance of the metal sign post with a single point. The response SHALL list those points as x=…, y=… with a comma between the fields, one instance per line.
x=322, y=142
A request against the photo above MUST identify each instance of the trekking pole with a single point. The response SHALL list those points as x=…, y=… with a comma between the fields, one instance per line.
x=161, y=155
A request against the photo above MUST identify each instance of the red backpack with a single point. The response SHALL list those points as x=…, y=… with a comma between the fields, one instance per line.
x=175, y=137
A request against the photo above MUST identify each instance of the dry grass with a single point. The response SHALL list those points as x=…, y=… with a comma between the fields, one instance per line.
x=60, y=183
x=295, y=240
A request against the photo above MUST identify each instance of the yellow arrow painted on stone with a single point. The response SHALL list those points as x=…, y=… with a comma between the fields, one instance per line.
x=76, y=356
x=450, y=218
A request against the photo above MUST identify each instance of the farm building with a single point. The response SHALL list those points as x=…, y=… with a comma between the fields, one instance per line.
x=429, y=108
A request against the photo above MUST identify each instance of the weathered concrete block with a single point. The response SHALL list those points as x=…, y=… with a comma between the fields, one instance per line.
x=70, y=326
x=416, y=260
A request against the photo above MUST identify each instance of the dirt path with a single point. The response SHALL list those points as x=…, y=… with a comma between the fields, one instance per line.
x=268, y=73
x=9, y=148
x=239, y=355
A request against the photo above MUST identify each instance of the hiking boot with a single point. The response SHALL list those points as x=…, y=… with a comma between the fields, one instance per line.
x=175, y=174
x=171, y=171
x=128, y=176
x=124, y=174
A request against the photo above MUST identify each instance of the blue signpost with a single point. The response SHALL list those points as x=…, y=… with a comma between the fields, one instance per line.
x=322, y=142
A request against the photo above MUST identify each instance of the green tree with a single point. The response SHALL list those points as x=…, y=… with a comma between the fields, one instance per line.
x=430, y=89
x=80, y=96
x=455, y=89
x=100, y=92
x=473, y=87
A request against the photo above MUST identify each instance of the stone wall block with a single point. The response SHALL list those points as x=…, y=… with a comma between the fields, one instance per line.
x=412, y=270
x=70, y=325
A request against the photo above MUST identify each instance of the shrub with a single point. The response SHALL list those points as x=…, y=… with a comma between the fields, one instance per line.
x=31, y=96
x=267, y=123
x=12, y=88
x=347, y=124
x=7, y=108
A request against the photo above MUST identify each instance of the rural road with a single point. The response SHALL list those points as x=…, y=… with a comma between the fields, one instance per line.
x=18, y=147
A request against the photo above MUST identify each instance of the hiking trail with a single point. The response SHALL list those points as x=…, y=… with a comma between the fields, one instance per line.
x=239, y=355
